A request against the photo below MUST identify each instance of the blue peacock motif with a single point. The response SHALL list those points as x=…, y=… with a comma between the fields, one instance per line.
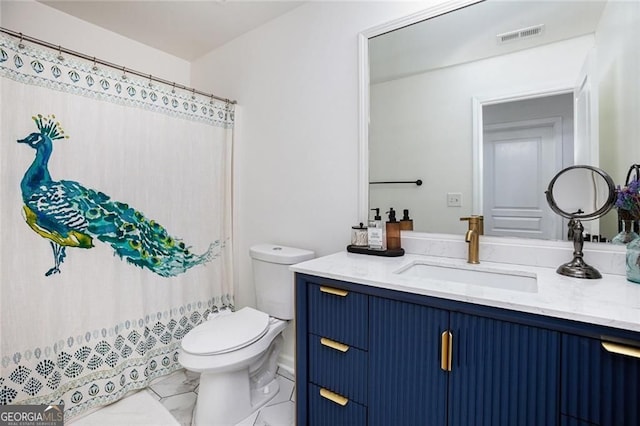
x=70, y=215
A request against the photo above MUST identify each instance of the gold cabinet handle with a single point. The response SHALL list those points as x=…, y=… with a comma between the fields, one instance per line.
x=621, y=349
x=334, y=291
x=334, y=345
x=333, y=397
x=447, y=345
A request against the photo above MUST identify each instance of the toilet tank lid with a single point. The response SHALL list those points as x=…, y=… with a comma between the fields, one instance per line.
x=280, y=254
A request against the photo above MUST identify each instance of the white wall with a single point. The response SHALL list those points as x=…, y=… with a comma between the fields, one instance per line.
x=618, y=68
x=422, y=126
x=296, y=146
x=48, y=24
x=618, y=65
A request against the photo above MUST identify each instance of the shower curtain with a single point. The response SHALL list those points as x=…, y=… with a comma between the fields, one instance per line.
x=115, y=226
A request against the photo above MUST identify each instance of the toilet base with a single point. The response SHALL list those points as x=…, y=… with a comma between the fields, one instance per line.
x=225, y=398
x=216, y=405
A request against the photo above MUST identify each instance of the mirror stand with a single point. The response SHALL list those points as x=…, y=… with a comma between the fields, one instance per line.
x=577, y=268
x=580, y=193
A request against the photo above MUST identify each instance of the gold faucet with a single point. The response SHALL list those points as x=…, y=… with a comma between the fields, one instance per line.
x=476, y=228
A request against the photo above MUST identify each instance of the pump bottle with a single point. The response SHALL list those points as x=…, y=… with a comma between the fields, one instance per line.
x=393, y=231
x=376, y=232
x=406, y=223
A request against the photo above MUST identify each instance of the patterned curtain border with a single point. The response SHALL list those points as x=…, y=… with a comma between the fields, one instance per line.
x=47, y=68
x=126, y=357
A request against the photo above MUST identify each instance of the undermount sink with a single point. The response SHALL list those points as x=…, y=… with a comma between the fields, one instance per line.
x=473, y=275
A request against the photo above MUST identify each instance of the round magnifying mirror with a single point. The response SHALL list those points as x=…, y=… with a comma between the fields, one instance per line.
x=580, y=193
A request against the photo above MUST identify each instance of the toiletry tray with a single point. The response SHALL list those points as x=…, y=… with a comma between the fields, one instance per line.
x=385, y=253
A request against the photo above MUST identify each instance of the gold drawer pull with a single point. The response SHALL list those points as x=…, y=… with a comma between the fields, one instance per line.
x=334, y=345
x=447, y=346
x=333, y=397
x=334, y=291
x=621, y=349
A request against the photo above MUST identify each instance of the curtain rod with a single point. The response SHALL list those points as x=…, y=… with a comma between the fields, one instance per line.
x=61, y=49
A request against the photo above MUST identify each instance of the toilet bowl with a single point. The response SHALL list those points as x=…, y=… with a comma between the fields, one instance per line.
x=236, y=353
x=238, y=368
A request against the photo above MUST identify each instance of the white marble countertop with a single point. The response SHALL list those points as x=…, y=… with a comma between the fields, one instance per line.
x=610, y=301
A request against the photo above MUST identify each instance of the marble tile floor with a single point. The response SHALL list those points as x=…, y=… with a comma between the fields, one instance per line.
x=171, y=400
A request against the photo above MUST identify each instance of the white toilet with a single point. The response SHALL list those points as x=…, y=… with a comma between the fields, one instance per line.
x=237, y=353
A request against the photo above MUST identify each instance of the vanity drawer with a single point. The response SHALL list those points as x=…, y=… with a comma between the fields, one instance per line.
x=600, y=380
x=339, y=314
x=331, y=409
x=338, y=367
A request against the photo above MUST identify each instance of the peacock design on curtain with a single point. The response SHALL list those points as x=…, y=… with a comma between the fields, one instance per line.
x=70, y=215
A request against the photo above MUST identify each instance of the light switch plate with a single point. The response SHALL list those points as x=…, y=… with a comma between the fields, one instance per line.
x=454, y=199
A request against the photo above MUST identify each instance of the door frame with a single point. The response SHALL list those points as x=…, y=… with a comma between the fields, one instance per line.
x=478, y=102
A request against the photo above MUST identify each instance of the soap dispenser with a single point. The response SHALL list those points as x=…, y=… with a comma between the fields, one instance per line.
x=393, y=231
x=376, y=232
x=406, y=223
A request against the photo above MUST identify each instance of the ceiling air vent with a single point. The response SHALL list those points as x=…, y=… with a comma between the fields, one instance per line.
x=520, y=34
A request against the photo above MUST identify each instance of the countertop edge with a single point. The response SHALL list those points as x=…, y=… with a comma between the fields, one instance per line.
x=357, y=269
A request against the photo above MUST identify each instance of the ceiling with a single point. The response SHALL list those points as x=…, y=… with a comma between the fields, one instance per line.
x=470, y=34
x=183, y=28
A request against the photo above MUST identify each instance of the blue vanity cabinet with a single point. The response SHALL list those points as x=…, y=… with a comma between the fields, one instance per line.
x=407, y=385
x=450, y=368
x=502, y=373
x=335, y=340
x=373, y=356
x=600, y=380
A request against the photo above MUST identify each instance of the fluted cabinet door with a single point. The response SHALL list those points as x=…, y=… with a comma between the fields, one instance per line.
x=502, y=373
x=407, y=386
x=600, y=384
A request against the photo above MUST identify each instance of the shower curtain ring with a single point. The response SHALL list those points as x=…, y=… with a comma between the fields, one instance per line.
x=94, y=67
x=193, y=94
x=150, y=78
x=20, y=43
x=60, y=57
x=173, y=91
x=124, y=73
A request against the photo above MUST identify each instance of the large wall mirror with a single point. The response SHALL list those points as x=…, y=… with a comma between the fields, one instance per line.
x=485, y=102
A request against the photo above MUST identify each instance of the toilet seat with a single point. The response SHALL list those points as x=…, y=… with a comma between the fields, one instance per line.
x=227, y=333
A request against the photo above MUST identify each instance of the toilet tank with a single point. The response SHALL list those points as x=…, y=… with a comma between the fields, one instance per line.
x=273, y=281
